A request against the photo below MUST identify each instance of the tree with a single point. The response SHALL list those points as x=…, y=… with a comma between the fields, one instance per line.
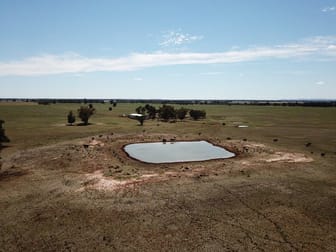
x=141, y=110
x=197, y=114
x=151, y=111
x=84, y=113
x=71, y=118
x=139, y=117
x=181, y=113
x=3, y=137
x=148, y=110
x=167, y=112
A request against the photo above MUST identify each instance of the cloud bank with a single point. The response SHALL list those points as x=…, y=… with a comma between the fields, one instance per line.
x=314, y=48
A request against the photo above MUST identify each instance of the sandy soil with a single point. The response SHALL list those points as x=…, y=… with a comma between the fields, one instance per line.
x=88, y=195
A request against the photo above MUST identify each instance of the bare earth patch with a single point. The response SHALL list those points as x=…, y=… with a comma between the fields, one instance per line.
x=98, y=181
x=289, y=157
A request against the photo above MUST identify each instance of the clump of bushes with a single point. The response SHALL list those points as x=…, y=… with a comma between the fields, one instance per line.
x=181, y=113
x=197, y=114
x=169, y=113
x=148, y=111
x=84, y=113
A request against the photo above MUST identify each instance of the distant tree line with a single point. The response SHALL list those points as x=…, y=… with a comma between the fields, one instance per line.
x=305, y=103
x=54, y=101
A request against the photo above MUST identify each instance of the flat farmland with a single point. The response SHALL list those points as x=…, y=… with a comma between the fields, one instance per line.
x=72, y=188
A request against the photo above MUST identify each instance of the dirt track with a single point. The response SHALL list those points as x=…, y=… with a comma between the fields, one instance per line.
x=88, y=195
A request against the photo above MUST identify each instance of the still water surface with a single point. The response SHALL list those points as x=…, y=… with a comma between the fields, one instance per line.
x=172, y=152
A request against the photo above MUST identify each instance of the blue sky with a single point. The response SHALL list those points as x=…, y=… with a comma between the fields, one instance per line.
x=191, y=49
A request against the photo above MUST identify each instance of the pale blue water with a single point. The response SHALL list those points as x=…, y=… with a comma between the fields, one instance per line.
x=172, y=152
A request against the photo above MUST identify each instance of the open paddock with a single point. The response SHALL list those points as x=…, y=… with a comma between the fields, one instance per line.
x=70, y=188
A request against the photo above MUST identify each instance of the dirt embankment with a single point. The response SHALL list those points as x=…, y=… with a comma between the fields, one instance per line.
x=104, y=165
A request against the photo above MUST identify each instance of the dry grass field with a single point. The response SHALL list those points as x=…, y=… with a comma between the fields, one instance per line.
x=72, y=188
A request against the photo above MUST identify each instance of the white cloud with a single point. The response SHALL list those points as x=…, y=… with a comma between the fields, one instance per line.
x=329, y=9
x=137, y=79
x=176, y=38
x=315, y=48
x=320, y=83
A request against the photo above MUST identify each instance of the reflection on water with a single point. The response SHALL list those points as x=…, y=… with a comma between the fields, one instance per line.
x=173, y=152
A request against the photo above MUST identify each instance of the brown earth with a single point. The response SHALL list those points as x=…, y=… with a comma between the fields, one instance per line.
x=88, y=195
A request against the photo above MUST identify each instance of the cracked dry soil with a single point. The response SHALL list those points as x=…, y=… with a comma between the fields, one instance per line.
x=88, y=195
